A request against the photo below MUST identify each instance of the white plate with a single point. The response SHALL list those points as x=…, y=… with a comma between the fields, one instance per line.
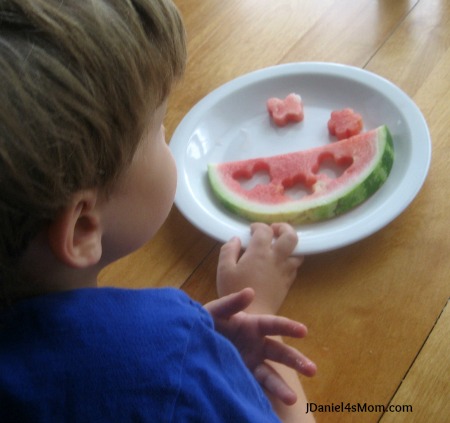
x=232, y=123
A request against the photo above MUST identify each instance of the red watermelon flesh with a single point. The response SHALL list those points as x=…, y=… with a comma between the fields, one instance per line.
x=345, y=123
x=367, y=159
x=284, y=111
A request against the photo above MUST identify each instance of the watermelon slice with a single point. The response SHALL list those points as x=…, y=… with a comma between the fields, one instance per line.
x=367, y=158
x=284, y=111
x=345, y=123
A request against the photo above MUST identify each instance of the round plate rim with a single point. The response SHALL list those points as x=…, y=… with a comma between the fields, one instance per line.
x=178, y=145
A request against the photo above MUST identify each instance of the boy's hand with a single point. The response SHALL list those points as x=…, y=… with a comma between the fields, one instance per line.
x=267, y=266
x=250, y=334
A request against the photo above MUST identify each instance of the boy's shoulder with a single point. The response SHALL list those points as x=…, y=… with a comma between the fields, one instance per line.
x=103, y=311
x=81, y=344
x=118, y=352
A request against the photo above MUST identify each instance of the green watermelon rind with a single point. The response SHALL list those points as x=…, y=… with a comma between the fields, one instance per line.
x=297, y=212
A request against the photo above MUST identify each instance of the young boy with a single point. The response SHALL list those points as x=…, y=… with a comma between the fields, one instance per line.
x=86, y=177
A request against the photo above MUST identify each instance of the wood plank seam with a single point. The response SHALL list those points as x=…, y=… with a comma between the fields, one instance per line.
x=416, y=356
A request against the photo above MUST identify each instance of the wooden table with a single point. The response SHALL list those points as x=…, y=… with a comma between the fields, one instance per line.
x=379, y=328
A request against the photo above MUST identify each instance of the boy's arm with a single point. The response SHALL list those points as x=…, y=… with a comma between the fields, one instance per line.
x=268, y=267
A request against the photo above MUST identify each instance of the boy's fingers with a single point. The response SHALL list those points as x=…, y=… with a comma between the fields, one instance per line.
x=262, y=236
x=269, y=325
x=281, y=227
x=273, y=383
x=229, y=252
x=286, y=238
x=290, y=357
x=296, y=261
x=227, y=306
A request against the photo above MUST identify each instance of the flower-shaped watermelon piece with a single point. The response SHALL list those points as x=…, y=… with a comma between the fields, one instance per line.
x=345, y=123
x=284, y=111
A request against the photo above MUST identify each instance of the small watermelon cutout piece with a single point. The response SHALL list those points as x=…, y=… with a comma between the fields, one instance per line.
x=284, y=111
x=345, y=123
x=367, y=158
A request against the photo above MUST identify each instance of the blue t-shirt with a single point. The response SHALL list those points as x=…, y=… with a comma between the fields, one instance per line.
x=116, y=355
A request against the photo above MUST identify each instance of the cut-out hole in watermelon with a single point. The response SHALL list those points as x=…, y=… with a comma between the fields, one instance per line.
x=331, y=167
x=249, y=181
x=298, y=187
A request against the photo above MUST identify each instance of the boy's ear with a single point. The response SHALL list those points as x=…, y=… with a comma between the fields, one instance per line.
x=75, y=236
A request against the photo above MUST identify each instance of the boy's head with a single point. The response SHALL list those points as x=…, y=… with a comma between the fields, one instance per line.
x=79, y=82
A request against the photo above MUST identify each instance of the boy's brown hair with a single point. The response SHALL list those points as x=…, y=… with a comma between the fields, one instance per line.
x=79, y=80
